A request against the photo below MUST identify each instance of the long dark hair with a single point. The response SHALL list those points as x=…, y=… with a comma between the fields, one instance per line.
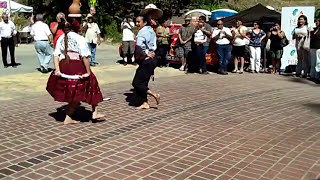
x=305, y=19
x=66, y=30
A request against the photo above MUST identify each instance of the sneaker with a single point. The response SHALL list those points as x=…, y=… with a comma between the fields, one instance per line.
x=181, y=68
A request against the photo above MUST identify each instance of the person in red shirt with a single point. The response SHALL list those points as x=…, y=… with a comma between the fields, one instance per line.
x=56, y=27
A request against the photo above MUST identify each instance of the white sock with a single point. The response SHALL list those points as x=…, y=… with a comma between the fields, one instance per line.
x=125, y=59
x=132, y=59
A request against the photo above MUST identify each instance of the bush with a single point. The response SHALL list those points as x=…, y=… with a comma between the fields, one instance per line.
x=112, y=32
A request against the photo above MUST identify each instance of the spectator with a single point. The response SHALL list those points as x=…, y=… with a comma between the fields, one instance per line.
x=128, y=40
x=315, y=51
x=199, y=40
x=300, y=35
x=207, y=30
x=256, y=37
x=43, y=37
x=276, y=35
x=222, y=36
x=239, y=36
x=185, y=37
x=57, y=27
x=7, y=31
x=163, y=34
x=92, y=37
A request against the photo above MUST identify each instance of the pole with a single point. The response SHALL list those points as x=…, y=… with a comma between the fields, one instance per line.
x=9, y=2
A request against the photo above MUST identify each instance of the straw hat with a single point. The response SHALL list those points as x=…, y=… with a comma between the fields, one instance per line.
x=152, y=11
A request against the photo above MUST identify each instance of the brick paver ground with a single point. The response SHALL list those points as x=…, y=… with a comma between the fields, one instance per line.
x=207, y=127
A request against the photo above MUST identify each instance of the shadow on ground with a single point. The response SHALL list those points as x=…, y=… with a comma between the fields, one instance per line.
x=81, y=114
x=313, y=107
x=131, y=98
x=310, y=82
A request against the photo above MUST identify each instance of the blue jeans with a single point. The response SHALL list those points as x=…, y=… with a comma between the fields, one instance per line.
x=93, y=49
x=200, y=55
x=224, y=55
x=44, y=53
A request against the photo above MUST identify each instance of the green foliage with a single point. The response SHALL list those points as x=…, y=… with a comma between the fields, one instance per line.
x=20, y=20
x=112, y=32
x=317, y=14
x=210, y=7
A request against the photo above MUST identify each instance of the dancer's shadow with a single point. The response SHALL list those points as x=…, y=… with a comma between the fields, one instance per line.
x=134, y=100
x=131, y=98
x=81, y=114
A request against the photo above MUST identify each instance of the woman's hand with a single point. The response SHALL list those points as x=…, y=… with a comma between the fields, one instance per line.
x=150, y=55
x=84, y=75
x=57, y=73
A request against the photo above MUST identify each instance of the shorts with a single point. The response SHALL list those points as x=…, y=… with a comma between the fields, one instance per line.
x=277, y=54
x=238, y=51
x=128, y=47
x=183, y=51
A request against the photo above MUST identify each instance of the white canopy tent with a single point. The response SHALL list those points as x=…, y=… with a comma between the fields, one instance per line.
x=16, y=7
x=197, y=12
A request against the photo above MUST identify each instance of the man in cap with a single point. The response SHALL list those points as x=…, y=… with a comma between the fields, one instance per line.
x=127, y=40
x=185, y=36
x=92, y=37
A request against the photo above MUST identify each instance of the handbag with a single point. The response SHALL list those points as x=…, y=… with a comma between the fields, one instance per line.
x=306, y=42
x=268, y=45
x=284, y=42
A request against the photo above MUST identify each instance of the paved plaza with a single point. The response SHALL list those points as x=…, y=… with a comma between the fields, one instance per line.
x=242, y=127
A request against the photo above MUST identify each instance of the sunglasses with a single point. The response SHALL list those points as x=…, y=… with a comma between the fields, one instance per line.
x=219, y=24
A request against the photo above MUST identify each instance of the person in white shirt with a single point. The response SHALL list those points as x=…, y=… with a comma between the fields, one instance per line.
x=42, y=35
x=7, y=31
x=239, y=43
x=222, y=36
x=92, y=37
x=127, y=40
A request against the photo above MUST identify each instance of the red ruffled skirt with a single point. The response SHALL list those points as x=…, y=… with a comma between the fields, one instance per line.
x=74, y=90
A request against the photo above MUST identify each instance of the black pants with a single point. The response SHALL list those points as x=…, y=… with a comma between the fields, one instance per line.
x=5, y=43
x=142, y=78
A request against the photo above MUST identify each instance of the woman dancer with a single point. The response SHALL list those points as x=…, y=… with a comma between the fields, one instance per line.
x=72, y=81
x=146, y=44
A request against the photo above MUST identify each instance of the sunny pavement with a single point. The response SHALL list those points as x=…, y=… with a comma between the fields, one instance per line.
x=245, y=127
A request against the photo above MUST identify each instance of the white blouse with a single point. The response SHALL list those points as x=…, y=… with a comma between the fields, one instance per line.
x=76, y=44
x=303, y=31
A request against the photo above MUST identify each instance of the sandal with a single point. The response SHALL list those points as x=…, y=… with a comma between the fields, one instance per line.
x=235, y=71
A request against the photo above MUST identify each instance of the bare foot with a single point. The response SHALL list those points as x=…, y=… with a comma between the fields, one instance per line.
x=144, y=106
x=98, y=116
x=157, y=97
x=68, y=120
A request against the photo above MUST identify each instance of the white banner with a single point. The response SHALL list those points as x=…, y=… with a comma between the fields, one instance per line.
x=289, y=20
